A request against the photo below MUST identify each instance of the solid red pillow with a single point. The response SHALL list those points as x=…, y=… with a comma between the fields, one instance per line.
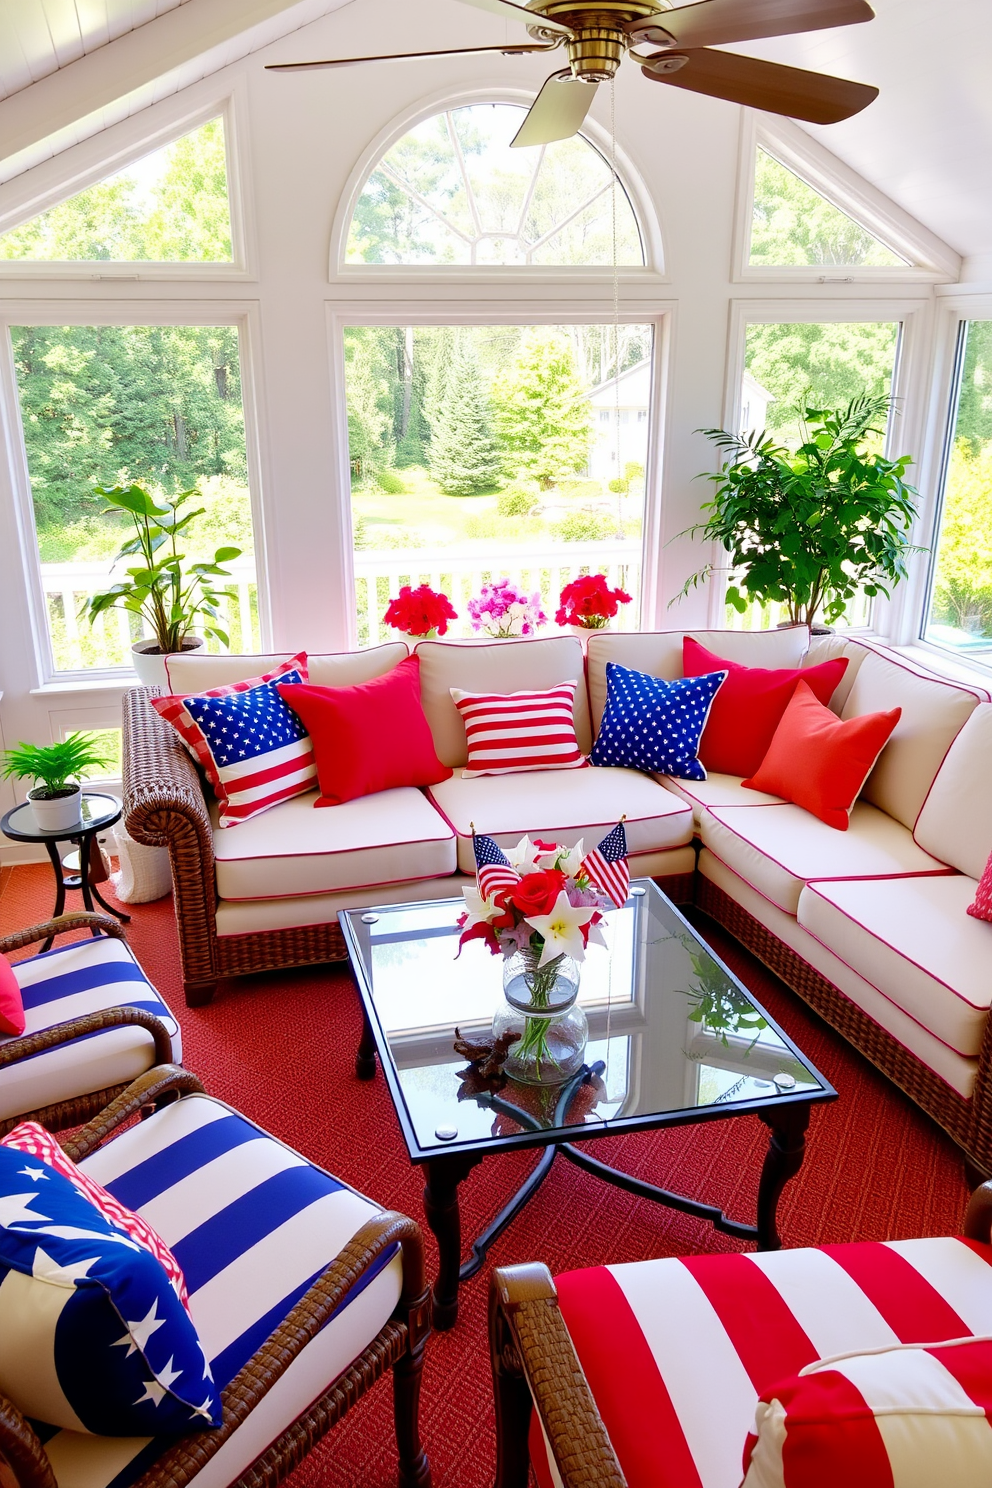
x=369, y=737
x=11, y=1005
x=749, y=706
x=819, y=762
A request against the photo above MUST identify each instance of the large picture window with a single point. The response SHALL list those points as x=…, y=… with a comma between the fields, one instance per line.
x=482, y=452
x=959, y=613
x=109, y=404
x=453, y=192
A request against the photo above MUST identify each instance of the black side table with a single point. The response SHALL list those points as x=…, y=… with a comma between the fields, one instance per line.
x=97, y=812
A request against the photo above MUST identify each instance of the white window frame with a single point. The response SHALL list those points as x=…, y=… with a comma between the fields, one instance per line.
x=906, y=429
x=416, y=312
x=544, y=276
x=929, y=259
x=245, y=318
x=111, y=151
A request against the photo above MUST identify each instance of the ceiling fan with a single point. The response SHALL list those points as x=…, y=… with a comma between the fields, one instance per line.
x=598, y=34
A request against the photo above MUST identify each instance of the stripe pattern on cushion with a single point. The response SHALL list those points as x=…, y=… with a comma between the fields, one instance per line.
x=689, y=1332
x=251, y=1223
x=519, y=731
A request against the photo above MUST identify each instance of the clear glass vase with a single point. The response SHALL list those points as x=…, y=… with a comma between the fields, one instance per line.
x=541, y=1009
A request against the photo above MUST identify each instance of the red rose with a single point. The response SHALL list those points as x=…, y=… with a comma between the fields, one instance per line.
x=536, y=893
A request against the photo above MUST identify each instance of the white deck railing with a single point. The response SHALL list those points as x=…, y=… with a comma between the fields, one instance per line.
x=459, y=572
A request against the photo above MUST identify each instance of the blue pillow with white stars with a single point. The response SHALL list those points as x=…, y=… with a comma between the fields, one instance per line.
x=649, y=724
x=93, y=1335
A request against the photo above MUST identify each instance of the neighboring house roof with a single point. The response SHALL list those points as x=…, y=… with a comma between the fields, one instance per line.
x=754, y=388
x=632, y=388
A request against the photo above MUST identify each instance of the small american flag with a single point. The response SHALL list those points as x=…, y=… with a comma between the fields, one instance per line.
x=493, y=870
x=606, y=866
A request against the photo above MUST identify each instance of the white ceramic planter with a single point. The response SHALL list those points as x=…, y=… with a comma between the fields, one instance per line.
x=150, y=663
x=582, y=633
x=58, y=814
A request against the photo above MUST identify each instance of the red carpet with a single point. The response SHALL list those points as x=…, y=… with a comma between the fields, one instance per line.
x=281, y=1048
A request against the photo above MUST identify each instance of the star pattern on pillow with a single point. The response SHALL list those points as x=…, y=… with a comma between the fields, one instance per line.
x=653, y=725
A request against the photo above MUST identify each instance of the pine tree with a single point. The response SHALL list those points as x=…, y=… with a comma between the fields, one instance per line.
x=542, y=409
x=464, y=455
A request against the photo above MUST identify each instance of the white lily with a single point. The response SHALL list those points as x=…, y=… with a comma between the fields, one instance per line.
x=524, y=856
x=479, y=910
x=562, y=929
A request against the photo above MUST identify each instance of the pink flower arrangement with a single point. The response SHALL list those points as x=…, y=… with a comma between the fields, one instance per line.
x=503, y=609
x=589, y=602
x=420, y=612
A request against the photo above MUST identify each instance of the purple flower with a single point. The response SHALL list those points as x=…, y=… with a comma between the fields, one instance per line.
x=504, y=609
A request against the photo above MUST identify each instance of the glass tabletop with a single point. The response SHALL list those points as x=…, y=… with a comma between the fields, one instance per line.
x=97, y=809
x=673, y=1035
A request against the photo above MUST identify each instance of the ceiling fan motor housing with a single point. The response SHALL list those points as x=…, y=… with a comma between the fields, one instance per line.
x=598, y=42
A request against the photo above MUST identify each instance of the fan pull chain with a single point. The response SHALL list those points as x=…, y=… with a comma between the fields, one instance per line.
x=616, y=297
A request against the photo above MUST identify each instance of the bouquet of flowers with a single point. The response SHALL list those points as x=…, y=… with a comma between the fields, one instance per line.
x=589, y=602
x=420, y=612
x=503, y=609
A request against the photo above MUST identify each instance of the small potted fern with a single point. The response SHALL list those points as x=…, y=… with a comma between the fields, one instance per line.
x=55, y=769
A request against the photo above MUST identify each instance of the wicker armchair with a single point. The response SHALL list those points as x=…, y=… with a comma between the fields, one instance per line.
x=165, y=806
x=536, y=1363
x=280, y=1433
x=58, y=1091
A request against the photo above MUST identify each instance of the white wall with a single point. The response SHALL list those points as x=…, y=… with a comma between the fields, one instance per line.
x=300, y=143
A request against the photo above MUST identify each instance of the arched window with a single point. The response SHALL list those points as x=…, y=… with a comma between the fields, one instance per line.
x=452, y=191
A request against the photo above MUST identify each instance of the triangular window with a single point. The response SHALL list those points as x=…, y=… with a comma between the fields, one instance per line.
x=169, y=207
x=791, y=224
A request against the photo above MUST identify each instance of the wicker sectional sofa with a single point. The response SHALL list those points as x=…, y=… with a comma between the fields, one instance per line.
x=869, y=926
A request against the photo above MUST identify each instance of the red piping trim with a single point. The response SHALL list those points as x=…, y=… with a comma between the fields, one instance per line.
x=379, y=883
x=939, y=768
x=332, y=852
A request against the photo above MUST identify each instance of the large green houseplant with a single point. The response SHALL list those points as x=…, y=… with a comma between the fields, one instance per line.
x=169, y=594
x=810, y=528
x=55, y=771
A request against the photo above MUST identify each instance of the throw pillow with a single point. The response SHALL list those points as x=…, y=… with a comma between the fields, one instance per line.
x=254, y=749
x=111, y=1347
x=650, y=724
x=749, y=706
x=509, y=733
x=820, y=762
x=911, y=1416
x=982, y=907
x=11, y=1005
x=33, y=1139
x=369, y=737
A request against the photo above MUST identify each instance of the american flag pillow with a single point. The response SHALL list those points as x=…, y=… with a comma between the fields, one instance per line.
x=512, y=732
x=253, y=747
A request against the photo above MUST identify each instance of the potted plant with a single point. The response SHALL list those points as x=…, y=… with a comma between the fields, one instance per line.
x=168, y=596
x=56, y=795
x=812, y=527
x=588, y=603
x=420, y=613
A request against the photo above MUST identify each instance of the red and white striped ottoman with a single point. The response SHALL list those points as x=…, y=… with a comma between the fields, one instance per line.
x=678, y=1353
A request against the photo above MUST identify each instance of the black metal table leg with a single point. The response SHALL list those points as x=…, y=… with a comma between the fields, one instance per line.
x=365, y=1058
x=786, y=1148
x=441, y=1208
x=53, y=853
x=92, y=850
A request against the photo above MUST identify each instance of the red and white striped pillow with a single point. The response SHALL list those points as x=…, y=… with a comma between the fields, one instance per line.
x=912, y=1416
x=982, y=907
x=509, y=733
x=33, y=1140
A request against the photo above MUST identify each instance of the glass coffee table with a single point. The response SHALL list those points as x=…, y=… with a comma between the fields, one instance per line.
x=674, y=1039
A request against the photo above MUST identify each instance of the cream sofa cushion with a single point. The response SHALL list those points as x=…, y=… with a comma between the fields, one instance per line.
x=197, y=673
x=716, y=790
x=659, y=653
x=778, y=849
x=298, y=849
x=913, y=940
x=497, y=667
x=562, y=806
x=829, y=648
x=933, y=713
x=956, y=821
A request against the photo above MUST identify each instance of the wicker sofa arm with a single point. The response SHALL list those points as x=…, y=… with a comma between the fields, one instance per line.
x=64, y=1033
x=162, y=789
x=81, y=921
x=978, y=1220
x=533, y=1358
x=146, y=1090
x=21, y=1451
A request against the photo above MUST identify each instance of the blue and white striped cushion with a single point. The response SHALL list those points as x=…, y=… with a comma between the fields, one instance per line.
x=69, y=982
x=252, y=1224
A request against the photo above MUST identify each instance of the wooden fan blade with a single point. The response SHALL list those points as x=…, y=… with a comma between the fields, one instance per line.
x=511, y=12
x=557, y=112
x=506, y=50
x=813, y=96
x=716, y=22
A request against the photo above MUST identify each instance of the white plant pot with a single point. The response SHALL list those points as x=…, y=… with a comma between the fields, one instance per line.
x=149, y=662
x=58, y=814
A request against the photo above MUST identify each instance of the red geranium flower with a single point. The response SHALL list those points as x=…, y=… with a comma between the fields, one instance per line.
x=536, y=893
x=589, y=602
x=418, y=611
